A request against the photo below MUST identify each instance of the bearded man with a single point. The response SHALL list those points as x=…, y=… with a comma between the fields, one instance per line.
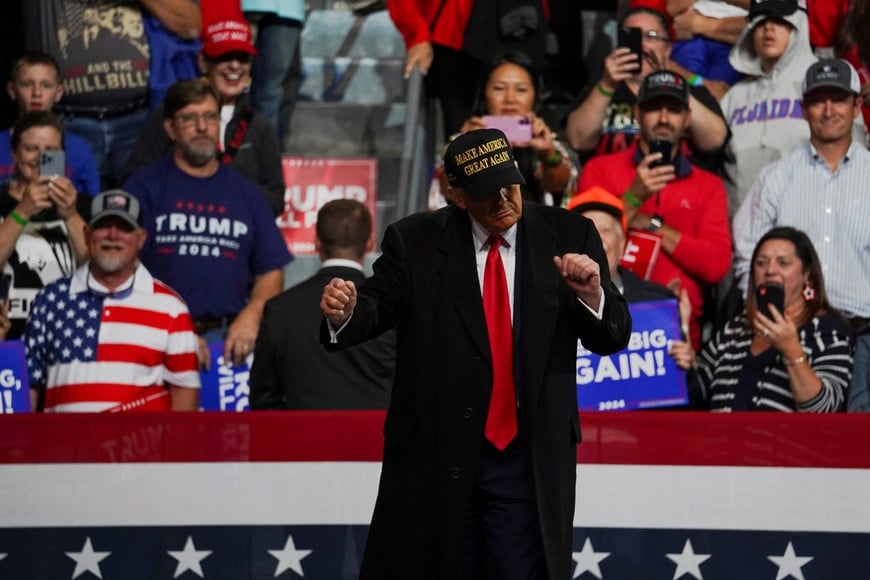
x=211, y=233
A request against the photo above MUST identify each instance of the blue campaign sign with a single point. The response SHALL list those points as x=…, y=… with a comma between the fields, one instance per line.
x=225, y=387
x=14, y=388
x=643, y=375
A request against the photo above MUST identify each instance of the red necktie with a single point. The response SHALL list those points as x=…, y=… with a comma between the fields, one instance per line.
x=501, y=421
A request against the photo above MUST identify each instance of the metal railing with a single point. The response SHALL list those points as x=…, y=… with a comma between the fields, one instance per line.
x=417, y=149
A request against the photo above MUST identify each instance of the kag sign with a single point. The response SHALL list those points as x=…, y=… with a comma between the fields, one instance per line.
x=643, y=375
x=14, y=390
x=312, y=182
x=225, y=387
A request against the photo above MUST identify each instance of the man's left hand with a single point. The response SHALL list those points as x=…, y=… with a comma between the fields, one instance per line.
x=241, y=336
x=582, y=275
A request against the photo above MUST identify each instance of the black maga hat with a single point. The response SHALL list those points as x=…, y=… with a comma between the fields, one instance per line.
x=481, y=162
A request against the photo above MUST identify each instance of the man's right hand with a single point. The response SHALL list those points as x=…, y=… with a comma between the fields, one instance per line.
x=420, y=54
x=650, y=180
x=338, y=301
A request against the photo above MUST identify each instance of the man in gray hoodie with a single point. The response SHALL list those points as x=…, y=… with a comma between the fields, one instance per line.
x=764, y=109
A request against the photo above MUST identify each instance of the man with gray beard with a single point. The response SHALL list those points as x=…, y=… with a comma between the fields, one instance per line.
x=211, y=234
x=111, y=337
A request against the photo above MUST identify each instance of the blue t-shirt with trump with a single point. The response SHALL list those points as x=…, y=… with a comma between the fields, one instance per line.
x=208, y=237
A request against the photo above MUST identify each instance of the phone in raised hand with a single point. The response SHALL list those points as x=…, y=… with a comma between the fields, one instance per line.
x=52, y=162
x=767, y=294
x=517, y=129
x=631, y=38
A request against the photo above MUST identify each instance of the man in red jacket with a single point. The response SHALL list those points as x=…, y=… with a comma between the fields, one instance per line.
x=668, y=196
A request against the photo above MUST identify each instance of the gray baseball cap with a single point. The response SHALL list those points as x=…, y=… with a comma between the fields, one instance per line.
x=832, y=72
x=116, y=202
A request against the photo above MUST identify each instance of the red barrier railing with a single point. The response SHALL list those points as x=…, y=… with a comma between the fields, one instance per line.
x=655, y=437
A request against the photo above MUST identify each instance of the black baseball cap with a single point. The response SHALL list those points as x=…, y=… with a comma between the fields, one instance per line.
x=481, y=162
x=663, y=83
x=772, y=8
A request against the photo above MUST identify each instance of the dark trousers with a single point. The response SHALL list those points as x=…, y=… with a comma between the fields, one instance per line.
x=454, y=78
x=502, y=538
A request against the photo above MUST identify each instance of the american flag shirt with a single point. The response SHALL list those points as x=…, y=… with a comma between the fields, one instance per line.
x=93, y=351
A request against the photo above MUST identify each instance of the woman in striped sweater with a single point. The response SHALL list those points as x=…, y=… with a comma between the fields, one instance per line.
x=798, y=358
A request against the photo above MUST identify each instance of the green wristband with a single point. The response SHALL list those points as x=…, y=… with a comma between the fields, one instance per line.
x=629, y=197
x=553, y=160
x=18, y=218
x=604, y=91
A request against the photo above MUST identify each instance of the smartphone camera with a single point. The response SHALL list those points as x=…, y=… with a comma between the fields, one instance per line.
x=631, y=38
x=517, y=129
x=52, y=162
x=767, y=294
x=664, y=147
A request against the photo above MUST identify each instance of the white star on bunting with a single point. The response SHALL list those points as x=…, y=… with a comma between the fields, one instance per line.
x=289, y=558
x=87, y=560
x=789, y=563
x=588, y=559
x=189, y=558
x=688, y=562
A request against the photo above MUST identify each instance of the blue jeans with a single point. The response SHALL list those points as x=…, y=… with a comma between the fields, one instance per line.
x=276, y=71
x=111, y=141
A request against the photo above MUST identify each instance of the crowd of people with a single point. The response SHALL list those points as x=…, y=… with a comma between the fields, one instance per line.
x=726, y=126
x=735, y=129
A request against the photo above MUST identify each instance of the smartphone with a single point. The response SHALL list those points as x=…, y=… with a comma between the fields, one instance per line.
x=52, y=162
x=5, y=286
x=631, y=37
x=664, y=147
x=516, y=128
x=767, y=294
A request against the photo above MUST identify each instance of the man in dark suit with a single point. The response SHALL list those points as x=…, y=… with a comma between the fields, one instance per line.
x=468, y=490
x=291, y=370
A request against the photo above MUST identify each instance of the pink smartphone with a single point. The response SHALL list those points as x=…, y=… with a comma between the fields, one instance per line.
x=516, y=128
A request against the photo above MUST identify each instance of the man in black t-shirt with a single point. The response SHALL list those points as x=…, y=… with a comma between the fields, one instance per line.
x=105, y=50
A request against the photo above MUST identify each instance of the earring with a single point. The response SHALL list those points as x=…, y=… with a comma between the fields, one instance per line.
x=808, y=292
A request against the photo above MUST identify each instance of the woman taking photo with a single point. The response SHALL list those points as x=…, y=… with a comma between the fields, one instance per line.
x=42, y=233
x=507, y=100
x=797, y=358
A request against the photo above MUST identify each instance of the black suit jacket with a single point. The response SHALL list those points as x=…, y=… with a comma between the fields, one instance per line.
x=636, y=289
x=425, y=284
x=292, y=370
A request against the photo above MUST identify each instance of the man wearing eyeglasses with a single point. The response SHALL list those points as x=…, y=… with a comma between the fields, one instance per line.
x=604, y=120
x=211, y=233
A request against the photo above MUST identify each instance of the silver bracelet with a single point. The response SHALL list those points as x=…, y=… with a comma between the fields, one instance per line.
x=790, y=363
